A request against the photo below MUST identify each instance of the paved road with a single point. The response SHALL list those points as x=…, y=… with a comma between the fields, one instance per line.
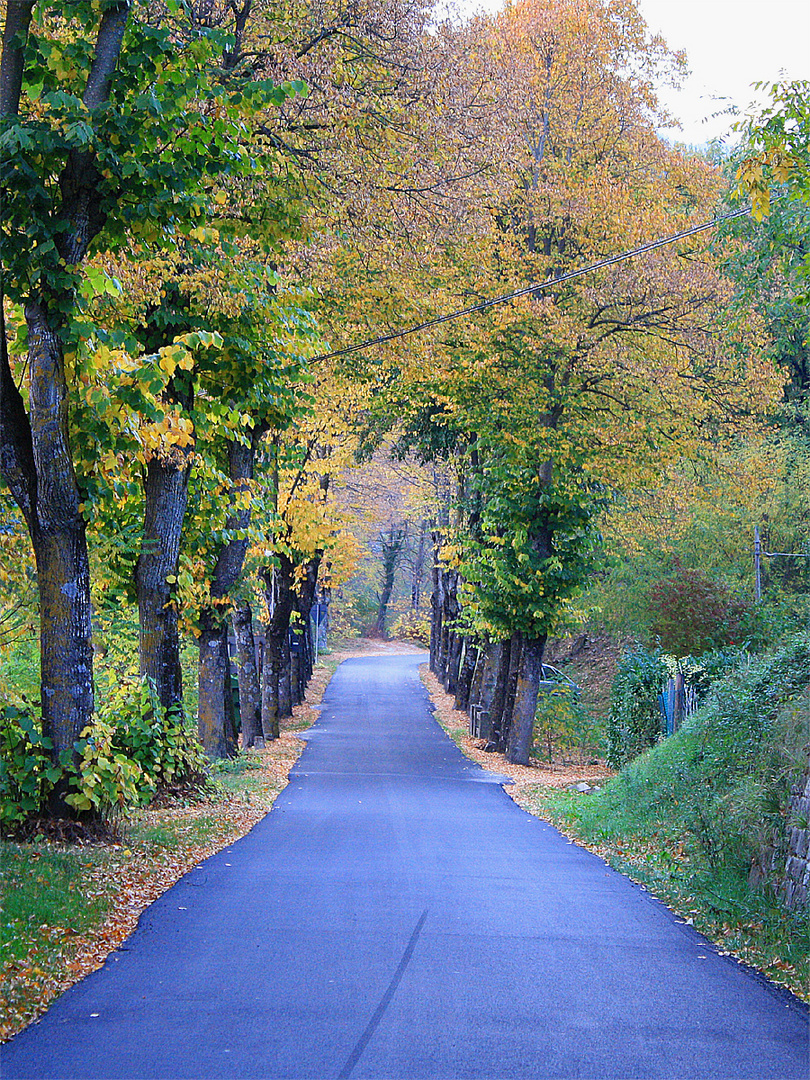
x=398, y=916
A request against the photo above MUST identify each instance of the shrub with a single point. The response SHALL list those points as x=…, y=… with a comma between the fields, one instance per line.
x=691, y=613
x=563, y=724
x=634, y=724
x=132, y=750
x=27, y=775
x=412, y=626
x=107, y=782
x=168, y=753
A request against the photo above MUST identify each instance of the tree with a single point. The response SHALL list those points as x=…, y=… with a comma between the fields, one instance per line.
x=595, y=383
x=105, y=137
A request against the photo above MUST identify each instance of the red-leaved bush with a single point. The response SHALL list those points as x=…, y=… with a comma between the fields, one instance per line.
x=691, y=613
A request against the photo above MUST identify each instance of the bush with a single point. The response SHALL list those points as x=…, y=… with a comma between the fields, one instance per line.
x=412, y=626
x=691, y=613
x=27, y=775
x=564, y=724
x=634, y=724
x=107, y=782
x=167, y=752
x=132, y=750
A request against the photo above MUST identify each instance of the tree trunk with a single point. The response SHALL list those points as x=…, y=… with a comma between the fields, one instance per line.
x=35, y=454
x=516, y=646
x=454, y=662
x=391, y=546
x=278, y=587
x=418, y=568
x=166, y=491
x=499, y=695
x=66, y=648
x=215, y=719
x=304, y=604
x=465, y=675
x=436, y=606
x=528, y=684
x=490, y=662
x=478, y=677
x=36, y=463
x=288, y=673
x=250, y=699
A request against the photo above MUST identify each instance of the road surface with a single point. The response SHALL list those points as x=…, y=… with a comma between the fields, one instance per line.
x=397, y=916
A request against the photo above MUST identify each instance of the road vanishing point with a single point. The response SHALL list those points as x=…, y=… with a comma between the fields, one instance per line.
x=398, y=916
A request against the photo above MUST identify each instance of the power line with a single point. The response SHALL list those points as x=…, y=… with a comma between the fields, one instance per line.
x=531, y=289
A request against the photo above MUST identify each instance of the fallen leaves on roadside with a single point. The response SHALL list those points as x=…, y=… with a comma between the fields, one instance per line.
x=546, y=774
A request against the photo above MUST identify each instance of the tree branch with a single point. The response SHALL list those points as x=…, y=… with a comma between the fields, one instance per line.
x=108, y=49
x=16, y=448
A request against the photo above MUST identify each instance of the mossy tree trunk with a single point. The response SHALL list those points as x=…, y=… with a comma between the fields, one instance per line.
x=166, y=498
x=215, y=719
x=250, y=699
x=278, y=590
x=529, y=673
x=35, y=453
x=466, y=673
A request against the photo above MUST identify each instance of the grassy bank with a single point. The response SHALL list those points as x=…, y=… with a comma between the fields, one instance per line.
x=689, y=818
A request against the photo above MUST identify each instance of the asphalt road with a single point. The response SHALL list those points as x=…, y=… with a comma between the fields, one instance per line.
x=397, y=916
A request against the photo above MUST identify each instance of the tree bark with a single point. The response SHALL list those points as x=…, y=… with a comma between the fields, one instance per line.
x=285, y=691
x=418, y=568
x=465, y=675
x=499, y=695
x=391, y=551
x=528, y=682
x=36, y=464
x=166, y=492
x=516, y=647
x=478, y=677
x=454, y=662
x=15, y=33
x=215, y=718
x=35, y=456
x=436, y=605
x=489, y=674
x=250, y=699
x=278, y=587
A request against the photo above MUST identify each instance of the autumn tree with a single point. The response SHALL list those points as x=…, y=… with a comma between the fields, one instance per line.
x=105, y=140
x=595, y=381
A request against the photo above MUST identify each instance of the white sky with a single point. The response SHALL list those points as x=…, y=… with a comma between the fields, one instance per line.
x=729, y=44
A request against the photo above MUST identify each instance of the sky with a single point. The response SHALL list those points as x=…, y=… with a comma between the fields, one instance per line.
x=729, y=45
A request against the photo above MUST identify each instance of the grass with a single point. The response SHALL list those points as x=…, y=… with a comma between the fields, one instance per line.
x=718, y=900
x=51, y=897
x=46, y=886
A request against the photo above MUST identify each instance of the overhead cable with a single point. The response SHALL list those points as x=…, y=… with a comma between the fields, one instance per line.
x=530, y=290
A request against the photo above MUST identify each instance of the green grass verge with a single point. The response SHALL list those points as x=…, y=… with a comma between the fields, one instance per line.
x=56, y=897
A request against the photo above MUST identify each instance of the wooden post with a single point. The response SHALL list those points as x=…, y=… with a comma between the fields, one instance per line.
x=757, y=566
x=677, y=711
